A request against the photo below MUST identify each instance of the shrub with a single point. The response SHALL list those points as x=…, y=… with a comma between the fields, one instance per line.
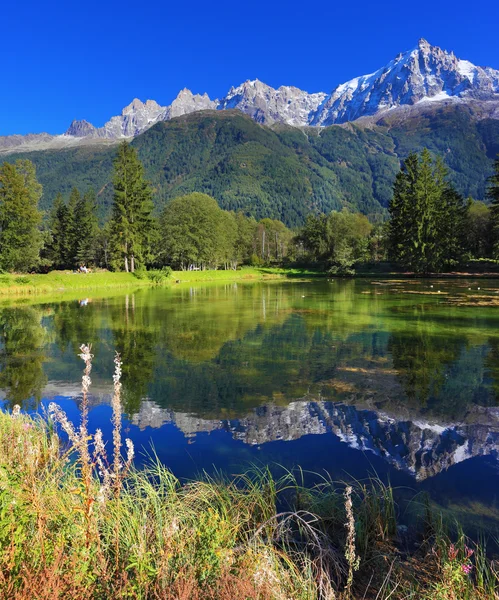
x=160, y=276
x=22, y=280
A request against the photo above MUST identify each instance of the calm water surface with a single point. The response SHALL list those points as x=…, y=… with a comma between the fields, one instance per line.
x=351, y=378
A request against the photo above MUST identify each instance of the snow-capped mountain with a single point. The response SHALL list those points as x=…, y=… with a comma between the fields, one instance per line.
x=415, y=78
x=267, y=105
x=425, y=74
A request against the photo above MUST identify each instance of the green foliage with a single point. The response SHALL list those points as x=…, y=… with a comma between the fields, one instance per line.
x=479, y=230
x=493, y=194
x=132, y=225
x=428, y=217
x=196, y=233
x=87, y=228
x=191, y=229
x=281, y=173
x=73, y=232
x=20, y=237
x=337, y=241
x=159, y=276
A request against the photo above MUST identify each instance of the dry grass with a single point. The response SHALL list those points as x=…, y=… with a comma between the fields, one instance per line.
x=77, y=525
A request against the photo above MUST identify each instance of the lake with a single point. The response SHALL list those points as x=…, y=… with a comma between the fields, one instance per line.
x=349, y=378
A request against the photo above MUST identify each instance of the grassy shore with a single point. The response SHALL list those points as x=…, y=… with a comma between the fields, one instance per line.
x=67, y=281
x=78, y=522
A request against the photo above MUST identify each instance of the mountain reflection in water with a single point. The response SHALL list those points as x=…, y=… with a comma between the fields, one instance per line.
x=389, y=368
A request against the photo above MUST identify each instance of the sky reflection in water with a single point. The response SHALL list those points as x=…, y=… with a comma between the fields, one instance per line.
x=348, y=377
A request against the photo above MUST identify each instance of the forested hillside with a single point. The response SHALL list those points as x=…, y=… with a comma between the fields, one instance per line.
x=281, y=172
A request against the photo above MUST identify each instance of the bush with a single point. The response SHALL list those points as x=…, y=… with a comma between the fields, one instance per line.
x=160, y=276
x=141, y=273
x=22, y=280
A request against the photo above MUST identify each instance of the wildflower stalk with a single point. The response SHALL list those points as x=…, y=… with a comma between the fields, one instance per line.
x=86, y=461
x=350, y=553
x=116, y=420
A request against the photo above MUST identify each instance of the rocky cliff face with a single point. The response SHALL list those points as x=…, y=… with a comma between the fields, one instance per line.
x=82, y=129
x=267, y=105
x=418, y=447
x=186, y=102
x=426, y=75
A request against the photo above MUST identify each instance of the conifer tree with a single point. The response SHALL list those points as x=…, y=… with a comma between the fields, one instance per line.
x=132, y=222
x=56, y=251
x=493, y=194
x=20, y=236
x=73, y=232
x=86, y=222
x=426, y=231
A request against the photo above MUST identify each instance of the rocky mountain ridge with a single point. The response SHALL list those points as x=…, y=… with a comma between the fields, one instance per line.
x=420, y=448
x=422, y=76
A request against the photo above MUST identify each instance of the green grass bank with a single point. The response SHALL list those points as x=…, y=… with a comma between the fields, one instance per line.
x=66, y=281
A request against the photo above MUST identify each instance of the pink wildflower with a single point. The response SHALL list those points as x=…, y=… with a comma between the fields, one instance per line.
x=466, y=568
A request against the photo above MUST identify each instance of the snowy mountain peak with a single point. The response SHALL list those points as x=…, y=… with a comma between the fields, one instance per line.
x=424, y=45
x=418, y=76
x=426, y=73
x=267, y=105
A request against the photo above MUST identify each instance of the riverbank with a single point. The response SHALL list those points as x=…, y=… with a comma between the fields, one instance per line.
x=59, y=282
x=64, y=282
x=95, y=528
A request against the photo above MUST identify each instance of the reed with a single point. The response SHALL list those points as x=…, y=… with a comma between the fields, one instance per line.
x=77, y=524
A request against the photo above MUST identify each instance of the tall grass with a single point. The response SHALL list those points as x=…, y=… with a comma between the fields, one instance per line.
x=77, y=524
x=67, y=281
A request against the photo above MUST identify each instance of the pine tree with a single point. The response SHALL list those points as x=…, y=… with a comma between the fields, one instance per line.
x=73, y=233
x=88, y=229
x=132, y=222
x=426, y=231
x=453, y=229
x=20, y=236
x=58, y=224
x=400, y=208
x=493, y=194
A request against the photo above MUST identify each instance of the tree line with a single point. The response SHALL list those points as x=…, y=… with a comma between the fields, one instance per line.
x=191, y=232
x=431, y=227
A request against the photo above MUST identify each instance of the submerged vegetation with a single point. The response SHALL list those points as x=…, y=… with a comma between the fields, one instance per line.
x=77, y=522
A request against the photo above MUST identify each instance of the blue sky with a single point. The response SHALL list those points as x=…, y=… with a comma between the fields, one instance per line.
x=86, y=60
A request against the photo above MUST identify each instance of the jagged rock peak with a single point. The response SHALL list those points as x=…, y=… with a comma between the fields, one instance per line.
x=81, y=129
x=426, y=73
x=424, y=45
x=187, y=102
x=137, y=105
x=264, y=104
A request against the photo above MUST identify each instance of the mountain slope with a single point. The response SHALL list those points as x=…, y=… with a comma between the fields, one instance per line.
x=282, y=172
x=425, y=75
